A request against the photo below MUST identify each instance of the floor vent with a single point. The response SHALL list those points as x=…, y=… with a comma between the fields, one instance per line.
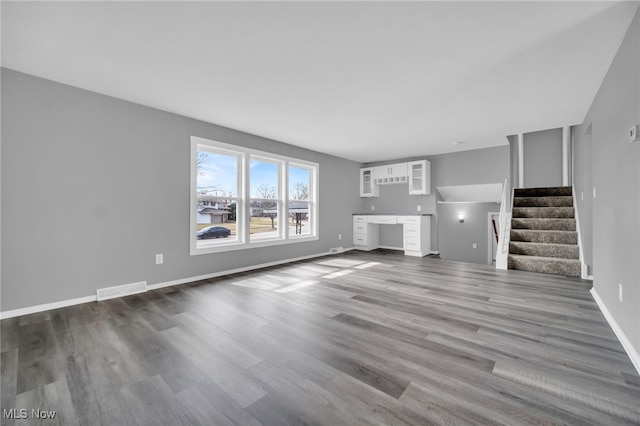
x=121, y=290
x=336, y=250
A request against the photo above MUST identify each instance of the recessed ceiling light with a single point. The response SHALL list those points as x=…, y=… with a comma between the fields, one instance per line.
x=457, y=143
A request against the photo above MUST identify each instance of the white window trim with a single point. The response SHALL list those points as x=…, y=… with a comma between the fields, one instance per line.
x=243, y=199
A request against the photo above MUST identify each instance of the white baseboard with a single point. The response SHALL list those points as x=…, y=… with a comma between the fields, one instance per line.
x=626, y=344
x=70, y=302
x=46, y=307
x=237, y=270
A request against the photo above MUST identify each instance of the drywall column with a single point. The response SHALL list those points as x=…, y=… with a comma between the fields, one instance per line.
x=566, y=156
x=520, y=160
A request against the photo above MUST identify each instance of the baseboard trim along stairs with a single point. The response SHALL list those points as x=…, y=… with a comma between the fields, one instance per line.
x=543, y=232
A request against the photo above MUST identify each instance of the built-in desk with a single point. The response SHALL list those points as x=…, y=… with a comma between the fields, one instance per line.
x=416, y=232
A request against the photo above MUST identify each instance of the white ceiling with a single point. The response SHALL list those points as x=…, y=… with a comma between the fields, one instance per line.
x=367, y=81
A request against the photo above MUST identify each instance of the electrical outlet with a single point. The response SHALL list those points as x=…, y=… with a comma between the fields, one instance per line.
x=475, y=245
x=419, y=208
x=159, y=259
x=620, y=291
x=373, y=208
x=339, y=236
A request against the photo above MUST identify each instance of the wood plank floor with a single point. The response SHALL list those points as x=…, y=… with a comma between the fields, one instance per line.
x=355, y=338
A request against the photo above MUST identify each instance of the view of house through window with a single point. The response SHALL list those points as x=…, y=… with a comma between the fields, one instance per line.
x=299, y=211
x=243, y=197
x=217, y=196
x=265, y=200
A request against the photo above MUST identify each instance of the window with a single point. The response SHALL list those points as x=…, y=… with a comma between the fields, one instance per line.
x=243, y=198
x=300, y=207
x=264, y=201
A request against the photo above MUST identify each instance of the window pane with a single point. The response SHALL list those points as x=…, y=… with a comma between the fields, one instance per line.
x=264, y=180
x=299, y=183
x=299, y=218
x=216, y=192
x=263, y=220
x=217, y=174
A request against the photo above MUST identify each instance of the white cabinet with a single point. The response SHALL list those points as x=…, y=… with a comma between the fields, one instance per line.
x=365, y=234
x=416, y=235
x=416, y=232
x=368, y=188
x=414, y=173
x=391, y=173
x=419, y=177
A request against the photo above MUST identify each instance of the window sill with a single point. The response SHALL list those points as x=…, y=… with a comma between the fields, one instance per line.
x=234, y=246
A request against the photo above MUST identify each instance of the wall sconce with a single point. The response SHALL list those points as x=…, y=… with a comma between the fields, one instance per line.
x=460, y=217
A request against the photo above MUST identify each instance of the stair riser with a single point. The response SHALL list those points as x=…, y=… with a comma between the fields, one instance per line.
x=543, y=202
x=545, y=250
x=570, y=269
x=550, y=237
x=543, y=212
x=544, y=224
x=543, y=192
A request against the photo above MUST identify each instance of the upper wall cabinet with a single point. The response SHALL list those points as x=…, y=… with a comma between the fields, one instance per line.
x=415, y=173
x=419, y=177
x=392, y=173
x=368, y=188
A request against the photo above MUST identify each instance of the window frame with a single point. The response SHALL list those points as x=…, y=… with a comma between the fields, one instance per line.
x=243, y=198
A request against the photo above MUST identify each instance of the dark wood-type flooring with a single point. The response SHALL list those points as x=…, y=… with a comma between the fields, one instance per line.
x=351, y=339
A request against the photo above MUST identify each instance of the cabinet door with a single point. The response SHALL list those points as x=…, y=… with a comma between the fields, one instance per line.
x=419, y=182
x=399, y=172
x=381, y=174
x=368, y=188
x=391, y=173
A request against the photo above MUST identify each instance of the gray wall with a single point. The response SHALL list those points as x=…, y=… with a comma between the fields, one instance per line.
x=615, y=167
x=582, y=180
x=93, y=187
x=457, y=238
x=513, y=146
x=543, y=158
x=490, y=165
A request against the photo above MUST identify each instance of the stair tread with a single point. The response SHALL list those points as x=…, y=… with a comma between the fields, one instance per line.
x=545, y=207
x=546, y=259
x=548, y=220
x=543, y=231
x=555, y=250
x=543, y=223
x=544, y=236
x=543, y=212
x=543, y=192
x=559, y=197
x=544, y=244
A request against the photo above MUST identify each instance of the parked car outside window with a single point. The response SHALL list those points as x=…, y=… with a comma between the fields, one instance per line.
x=213, y=232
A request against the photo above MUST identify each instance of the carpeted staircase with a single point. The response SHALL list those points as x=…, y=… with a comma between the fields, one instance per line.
x=543, y=232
